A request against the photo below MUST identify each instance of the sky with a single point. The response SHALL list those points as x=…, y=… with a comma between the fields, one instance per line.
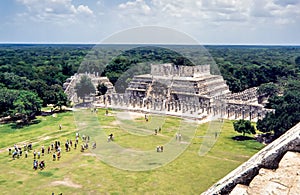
x=268, y=22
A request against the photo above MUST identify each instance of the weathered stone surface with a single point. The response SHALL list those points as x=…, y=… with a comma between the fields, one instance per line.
x=263, y=184
x=285, y=180
x=295, y=189
x=239, y=190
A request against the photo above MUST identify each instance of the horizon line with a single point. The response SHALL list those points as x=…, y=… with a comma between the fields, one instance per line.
x=95, y=43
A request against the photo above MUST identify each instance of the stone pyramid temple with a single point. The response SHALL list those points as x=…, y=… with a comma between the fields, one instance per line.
x=173, y=82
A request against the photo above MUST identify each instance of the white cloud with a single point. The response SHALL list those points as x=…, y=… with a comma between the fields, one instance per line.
x=209, y=20
x=286, y=2
x=84, y=9
x=277, y=11
x=137, y=6
x=59, y=11
x=210, y=11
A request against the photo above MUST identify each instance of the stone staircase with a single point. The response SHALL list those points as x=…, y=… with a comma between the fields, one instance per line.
x=273, y=170
x=285, y=180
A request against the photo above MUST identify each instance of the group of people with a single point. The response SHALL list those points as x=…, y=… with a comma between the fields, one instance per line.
x=36, y=164
x=159, y=148
x=159, y=131
x=17, y=151
x=178, y=137
x=54, y=148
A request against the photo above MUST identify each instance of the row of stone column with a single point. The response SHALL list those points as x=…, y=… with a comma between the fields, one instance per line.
x=218, y=108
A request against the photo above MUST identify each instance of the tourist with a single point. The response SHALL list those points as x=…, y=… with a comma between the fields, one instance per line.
x=35, y=164
x=58, y=155
x=157, y=148
x=161, y=148
x=43, y=150
x=56, y=145
x=26, y=154
x=54, y=156
x=15, y=146
x=15, y=153
x=39, y=154
x=42, y=165
x=25, y=147
x=111, y=137
x=179, y=137
x=49, y=149
x=34, y=154
x=29, y=147
x=67, y=146
x=59, y=126
x=155, y=132
x=94, y=145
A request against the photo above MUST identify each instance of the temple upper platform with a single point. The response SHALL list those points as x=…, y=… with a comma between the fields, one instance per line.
x=169, y=69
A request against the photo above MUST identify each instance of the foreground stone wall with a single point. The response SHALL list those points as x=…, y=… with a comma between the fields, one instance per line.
x=269, y=158
x=285, y=180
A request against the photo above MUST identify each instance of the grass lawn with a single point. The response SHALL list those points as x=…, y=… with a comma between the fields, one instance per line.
x=91, y=172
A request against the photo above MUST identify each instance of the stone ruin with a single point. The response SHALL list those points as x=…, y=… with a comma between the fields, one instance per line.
x=69, y=85
x=186, y=91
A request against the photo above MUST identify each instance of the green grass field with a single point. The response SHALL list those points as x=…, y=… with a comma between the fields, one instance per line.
x=89, y=172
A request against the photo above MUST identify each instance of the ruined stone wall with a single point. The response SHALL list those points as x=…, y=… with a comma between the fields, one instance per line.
x=268, y=157
x=178, y=70
x=162, y=69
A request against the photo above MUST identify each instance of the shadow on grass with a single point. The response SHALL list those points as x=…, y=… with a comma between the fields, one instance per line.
x=242, y=138
x=45, y=113
x=46, y=173
x=20, y=125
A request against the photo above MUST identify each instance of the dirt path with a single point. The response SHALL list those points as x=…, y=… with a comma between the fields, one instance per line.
x=66, y=182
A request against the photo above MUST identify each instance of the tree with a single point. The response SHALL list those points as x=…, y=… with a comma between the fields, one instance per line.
x=297, y=62
x=287, y=110
x=244, y=126
x=59, y=98
x=7, y=97
x=84, y=87
x=41, y=88
x=268, y=89
x=25, y=106
x=102, y=89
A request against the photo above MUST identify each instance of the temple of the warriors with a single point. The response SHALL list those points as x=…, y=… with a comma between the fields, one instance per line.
x=190, y=91
x=172, y=83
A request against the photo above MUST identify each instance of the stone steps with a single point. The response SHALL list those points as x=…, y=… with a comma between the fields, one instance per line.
x=276, y=168
x=284, y=180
